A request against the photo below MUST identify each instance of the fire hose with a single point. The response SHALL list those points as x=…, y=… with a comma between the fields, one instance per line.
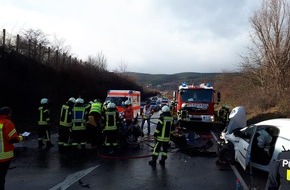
x=127, y=157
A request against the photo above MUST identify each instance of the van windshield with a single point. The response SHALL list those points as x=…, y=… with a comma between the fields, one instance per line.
x=119, y=101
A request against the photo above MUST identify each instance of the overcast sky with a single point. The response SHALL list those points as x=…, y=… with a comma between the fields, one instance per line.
x=148, y=36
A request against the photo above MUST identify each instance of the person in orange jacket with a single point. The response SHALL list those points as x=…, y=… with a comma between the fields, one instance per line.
x=8, y=136
x=128, y=113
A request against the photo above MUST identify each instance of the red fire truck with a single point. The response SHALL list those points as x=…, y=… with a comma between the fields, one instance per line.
x=195, y=104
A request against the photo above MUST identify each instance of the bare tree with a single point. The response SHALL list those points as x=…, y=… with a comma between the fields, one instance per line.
x=60, y=46
x=268, y=62
x=99, y=61
x=33, y=40
x=123, y=67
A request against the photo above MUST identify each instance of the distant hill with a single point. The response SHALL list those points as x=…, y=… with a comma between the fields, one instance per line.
x=171, y=81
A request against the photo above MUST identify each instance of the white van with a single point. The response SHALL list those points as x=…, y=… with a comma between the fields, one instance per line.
x=256, y=145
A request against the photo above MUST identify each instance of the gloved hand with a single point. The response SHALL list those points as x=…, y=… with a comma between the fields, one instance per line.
x=23, y=138
x=25, y=135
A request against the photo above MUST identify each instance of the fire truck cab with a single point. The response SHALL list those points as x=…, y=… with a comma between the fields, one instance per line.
x=196, y=103
x=120, y=96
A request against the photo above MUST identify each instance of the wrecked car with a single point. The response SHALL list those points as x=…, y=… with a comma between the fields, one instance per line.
x=256, y=145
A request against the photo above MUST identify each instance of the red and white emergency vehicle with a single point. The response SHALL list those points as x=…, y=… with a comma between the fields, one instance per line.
x=195, y=103
x=120, y=96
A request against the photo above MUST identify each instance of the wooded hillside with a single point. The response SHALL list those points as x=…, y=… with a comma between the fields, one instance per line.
x=25, y=81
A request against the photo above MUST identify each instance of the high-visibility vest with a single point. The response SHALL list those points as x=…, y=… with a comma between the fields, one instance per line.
x=111, y=121
x=164, y=134
x=79, y=120
x=43, y=114
x=96, y=107
x=65, y=116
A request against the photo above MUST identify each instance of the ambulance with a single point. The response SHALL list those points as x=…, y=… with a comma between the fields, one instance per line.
x=120, y=96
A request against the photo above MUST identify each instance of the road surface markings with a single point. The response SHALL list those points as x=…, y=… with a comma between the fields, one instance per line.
x=244, y=185
x=72, y=178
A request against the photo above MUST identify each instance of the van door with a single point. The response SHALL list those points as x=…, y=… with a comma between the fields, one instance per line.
x=244, y=146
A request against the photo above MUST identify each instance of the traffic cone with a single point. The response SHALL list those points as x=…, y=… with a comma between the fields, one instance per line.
x=238, y=184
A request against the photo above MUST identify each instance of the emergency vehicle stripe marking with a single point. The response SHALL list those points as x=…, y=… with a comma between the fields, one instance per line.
x=122, y=94
x=72, y=178
x=235, y=170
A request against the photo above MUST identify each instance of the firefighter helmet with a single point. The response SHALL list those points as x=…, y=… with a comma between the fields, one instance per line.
x=44, y=101
x=127, y=102
x=79, y=101
x=5, y=111
x=165, y=109
x=72, y=99
x=183, y=105
x=111, y=105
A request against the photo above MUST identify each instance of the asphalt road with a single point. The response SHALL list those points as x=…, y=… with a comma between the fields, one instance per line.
x=48, y=169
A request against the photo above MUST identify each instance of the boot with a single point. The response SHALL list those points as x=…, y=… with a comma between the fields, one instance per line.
x=152, y=163
x=162, y=162
x=40, y=144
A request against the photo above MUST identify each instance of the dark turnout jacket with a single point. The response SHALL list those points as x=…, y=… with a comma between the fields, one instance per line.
x=279, y=174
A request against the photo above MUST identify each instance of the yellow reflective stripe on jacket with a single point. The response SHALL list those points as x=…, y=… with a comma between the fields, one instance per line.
x=64, y=116
x=78, y=121
x=6, y=155
x=109, y=125
x=166, y=129
x=1, y=138
x=42, y=120
x=12, y=132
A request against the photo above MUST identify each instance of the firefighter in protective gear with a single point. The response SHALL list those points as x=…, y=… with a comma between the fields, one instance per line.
x=172, y=106
x=128, y=113
x=105, y=104
x=94, y=123
x=79, y=115
x=44, y=124
x=8, y=136
x=279, y=174
x=223, y=115
x=110, y=123
x=162, y=136
x=65, y=123
x=146, y=115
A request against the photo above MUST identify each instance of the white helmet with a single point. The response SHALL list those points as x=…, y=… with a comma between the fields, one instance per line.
x=111, y=105
x=79, y=101
x=72, y=99
x=127, y=102
x=97, y=100
x=183, y=105
x=165, y=109
x=44, y=101
x=107, y=102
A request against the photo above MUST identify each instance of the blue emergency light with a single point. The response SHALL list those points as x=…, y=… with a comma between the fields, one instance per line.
x=183, y=84
x=208, y=84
